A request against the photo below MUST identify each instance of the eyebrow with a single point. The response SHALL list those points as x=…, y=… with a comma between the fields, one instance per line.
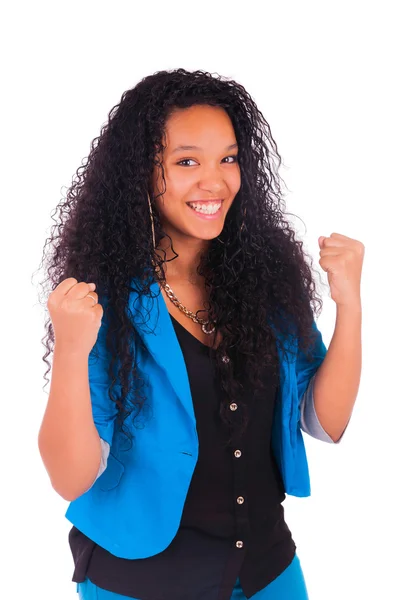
x=179, y=148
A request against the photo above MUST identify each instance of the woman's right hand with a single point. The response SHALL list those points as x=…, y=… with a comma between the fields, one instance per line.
x=75, y=317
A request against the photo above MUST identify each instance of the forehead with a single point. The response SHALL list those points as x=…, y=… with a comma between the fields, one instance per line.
x=203, y=126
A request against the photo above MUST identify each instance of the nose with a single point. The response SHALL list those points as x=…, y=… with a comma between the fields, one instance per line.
x=211, y=179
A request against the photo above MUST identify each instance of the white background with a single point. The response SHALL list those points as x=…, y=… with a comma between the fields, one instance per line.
x=325, y=76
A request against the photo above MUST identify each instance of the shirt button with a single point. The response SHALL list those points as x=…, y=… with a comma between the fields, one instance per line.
x=239, y=544
x=233, y=406
x=237, y=453
x=225, y=359
x=240, y=500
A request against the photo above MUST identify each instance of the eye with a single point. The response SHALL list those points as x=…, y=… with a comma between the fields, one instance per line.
x=234, y=156
x=184, y=160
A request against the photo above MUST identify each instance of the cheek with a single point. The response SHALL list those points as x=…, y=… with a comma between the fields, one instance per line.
x=177, y=185
x=234, y=181
x=179, y=181
x=169, y=208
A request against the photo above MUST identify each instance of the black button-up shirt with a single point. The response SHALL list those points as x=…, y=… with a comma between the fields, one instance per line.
x=233, y=522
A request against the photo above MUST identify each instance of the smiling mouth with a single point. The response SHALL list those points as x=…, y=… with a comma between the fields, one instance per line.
x=206, y=207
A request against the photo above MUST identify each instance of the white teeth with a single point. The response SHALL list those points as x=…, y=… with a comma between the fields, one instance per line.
x=209, y=209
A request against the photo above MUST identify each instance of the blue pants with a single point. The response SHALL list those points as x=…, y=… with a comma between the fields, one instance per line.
x=290, y=585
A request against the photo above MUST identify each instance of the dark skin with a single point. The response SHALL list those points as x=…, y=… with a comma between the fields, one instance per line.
x=208, y=173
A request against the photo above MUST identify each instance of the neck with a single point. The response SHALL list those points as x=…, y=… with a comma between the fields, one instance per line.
x=184, y=266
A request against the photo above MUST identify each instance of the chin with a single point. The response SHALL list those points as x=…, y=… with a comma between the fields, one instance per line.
x=207, y=235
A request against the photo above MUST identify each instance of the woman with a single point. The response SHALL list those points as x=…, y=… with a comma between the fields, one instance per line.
x=176, y=475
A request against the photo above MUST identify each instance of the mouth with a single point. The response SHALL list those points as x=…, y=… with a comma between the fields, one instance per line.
x=206, y=209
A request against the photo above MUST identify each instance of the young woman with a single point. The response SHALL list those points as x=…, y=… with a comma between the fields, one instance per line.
x=186, y=355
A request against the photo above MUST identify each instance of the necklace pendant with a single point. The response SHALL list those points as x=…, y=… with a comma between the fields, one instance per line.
x=208, y=331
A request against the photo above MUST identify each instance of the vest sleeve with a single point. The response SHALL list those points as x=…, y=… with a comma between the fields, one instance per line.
x=105, y=451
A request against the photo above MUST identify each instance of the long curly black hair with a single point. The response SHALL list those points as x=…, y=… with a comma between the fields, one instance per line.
x=256, y=271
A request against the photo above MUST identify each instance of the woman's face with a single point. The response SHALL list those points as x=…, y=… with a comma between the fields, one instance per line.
x=208, y=175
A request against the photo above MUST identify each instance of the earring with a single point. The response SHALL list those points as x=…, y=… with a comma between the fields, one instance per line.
x=152, y=222
x=157, y=268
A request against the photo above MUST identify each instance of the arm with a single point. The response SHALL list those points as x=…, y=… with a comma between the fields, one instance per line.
x=309, y=421
x=307, y=373
x=68, y=441
x=78, y=416
x=338, y=377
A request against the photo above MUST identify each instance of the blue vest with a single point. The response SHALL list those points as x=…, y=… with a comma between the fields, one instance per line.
x=134, y=508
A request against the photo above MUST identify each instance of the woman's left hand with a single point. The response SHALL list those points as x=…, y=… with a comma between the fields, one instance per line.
x=342, y=258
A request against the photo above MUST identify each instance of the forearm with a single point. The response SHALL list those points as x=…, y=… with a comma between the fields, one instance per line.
x=68, y=440
x=338, y=377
